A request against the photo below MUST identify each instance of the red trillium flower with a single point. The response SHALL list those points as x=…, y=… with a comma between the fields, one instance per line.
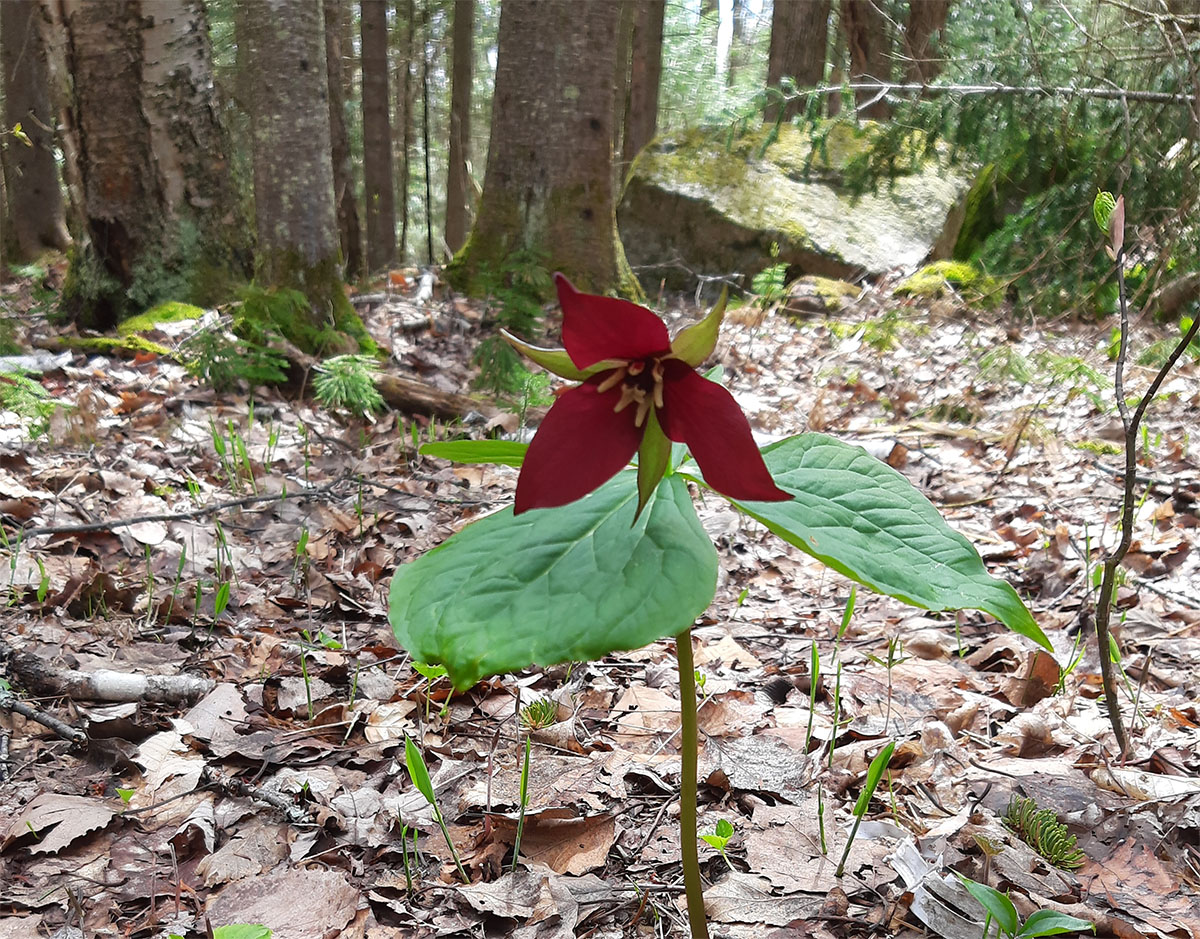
x=638, y=391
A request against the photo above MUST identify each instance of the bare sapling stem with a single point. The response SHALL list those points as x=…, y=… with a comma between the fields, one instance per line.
x=1130, y=423
x=689, y=762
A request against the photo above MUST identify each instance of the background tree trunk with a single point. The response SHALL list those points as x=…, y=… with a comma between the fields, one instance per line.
x=377, y=138
x=458, y=180
x=336, y=12
x=645, y=76
x=406, y=16
x=35, y=215
x=621, y=83
x=799, y=44
x=926, y=20
x=207, y=230
x=284, y=42
x=867, y=38
x=548, y=188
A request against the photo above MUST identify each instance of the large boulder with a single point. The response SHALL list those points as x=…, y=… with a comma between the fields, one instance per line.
x=712, y=203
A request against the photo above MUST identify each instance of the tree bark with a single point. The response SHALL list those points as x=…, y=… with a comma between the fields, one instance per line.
x=645, y=77
x=36, y=219
x=926, y=20
x=798, y=48
x=343, y=168
x=458, y=179
x=377, y=138
x=548, y=188
x=621, y=82
x=867, y=39
x=159, y=215
x=406, y=16
x=190, y=147
x=298, y=247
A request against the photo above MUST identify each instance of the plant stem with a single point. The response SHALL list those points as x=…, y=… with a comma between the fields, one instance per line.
x=1114, y=558
x=688, y=758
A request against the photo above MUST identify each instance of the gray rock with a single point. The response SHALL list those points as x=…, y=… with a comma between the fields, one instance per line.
x=706, y=202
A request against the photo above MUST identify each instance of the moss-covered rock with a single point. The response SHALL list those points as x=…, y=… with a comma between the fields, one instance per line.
x=711, y=202
x=811, y=295
x=933, y=280
x=169, y=312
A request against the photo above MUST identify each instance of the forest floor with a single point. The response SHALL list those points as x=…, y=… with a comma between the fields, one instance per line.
x=247, y=546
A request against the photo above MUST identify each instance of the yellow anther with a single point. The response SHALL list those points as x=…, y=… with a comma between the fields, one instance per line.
x=617, y=375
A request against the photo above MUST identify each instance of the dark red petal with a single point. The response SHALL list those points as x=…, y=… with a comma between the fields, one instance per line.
x=580, y=445
x=704, y=415
x=598, y=328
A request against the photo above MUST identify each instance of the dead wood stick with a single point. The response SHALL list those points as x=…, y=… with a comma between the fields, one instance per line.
x=9, y=703
x=106, y=684
x=294, y=812
x=109, y=524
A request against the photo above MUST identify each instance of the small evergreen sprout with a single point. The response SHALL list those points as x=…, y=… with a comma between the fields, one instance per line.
x=347, y=382
x=1042, y=831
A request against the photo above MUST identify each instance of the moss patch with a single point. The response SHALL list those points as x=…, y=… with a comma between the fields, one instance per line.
x=125, y=346
x=933, y=279
x=169, y=312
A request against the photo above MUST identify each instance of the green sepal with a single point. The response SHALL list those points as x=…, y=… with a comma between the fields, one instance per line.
x=558, y=361
x=654, y=456
x=696, y=343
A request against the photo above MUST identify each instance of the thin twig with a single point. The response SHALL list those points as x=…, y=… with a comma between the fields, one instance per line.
x=1046, y=91
x=9, y=702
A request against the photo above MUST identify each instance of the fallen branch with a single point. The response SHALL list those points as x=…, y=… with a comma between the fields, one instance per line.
x=294, y=812
x=1044, y=91
x=112, y=523
x=104, y=684
x=8, y=702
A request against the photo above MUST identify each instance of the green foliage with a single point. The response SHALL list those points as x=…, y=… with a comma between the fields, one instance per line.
x=347, y=382
x=1042, y=831
x=1000, y=908
x=517, y=290
x=769, y=284
x=719, y=839
x=170, y=312
x=29, y=400
x=540, y=713
x=225, y=361
x=1003, y=361
x=934, y=279
x=882, y=333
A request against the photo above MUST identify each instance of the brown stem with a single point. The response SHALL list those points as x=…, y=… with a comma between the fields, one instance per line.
x=688, y=758
x=1113, y=559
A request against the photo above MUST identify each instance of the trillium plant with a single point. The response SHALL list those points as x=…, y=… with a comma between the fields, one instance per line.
x=596, y=557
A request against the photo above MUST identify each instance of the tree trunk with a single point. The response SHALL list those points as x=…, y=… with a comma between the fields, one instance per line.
x=458, y=179
x=926, y=20
x=159, y=218
x=406, y=15
x=284, y=42
x=377, y=138
x=867, y=39
x=548, y=189
x=799, y=42
x=206, y=228
x=343, y=168
x=35, y=216
x=621, y=83
x=645, y=76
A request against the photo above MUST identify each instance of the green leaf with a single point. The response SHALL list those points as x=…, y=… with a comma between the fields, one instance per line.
x=1102, y=209
x=242, y=931
x=696, y=343
x=558, y=361
x=863, y=519
x=556, y=585
x=874, y=774
x=995, y=902
x=418, y=772
x=725, y=829
x=715, y=840
x=499, y=452
x=1052, y=923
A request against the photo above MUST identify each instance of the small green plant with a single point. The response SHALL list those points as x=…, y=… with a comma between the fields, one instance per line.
x=895, y=656
x=814, y=678
x=540, y=713
x=719, y=839
x=997, y=906
x=28, y=400
x=874, y=774
x=125, y=795
x=517, y=289
x=1042, y=831
x=415, y=862
x=418, y=772
x=347, y=383
x=770, y=284
x=524, y=796
x=430, y=673
x=238, y=931
x=225, y=360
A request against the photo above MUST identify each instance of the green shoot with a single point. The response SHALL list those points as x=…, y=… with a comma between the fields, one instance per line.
x=524, y=805
x=999, y=907
x=720, y=838
x=814, y=677
x=874, y=774
x=418, y=772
